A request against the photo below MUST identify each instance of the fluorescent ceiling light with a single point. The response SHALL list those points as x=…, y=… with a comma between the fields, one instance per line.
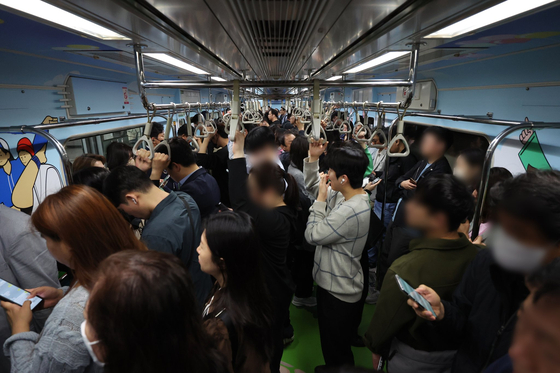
x=497, y=13
x=217, y=78
x=336, y=77
x=175, y=62
x=389, y=56
x=61, y=17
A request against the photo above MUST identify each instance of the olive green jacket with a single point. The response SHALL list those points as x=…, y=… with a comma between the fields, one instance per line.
x=437, y=263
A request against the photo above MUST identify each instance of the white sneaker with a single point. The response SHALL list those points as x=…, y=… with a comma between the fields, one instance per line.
x=372, y=296
x=304, y=302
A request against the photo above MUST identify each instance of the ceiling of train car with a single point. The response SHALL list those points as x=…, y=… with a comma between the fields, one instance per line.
x=282, y=39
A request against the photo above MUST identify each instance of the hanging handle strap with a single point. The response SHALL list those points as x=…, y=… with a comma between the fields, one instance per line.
x=379, y=129
x=145, y=138
x=400, y=130
x=168, y=125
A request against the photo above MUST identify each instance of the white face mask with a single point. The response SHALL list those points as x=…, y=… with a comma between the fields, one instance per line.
x=513, y=255
x=89, y=344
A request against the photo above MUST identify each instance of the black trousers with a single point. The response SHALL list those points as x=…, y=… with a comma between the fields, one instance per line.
x=302, y=273
x=337, y=327
x=281, y=304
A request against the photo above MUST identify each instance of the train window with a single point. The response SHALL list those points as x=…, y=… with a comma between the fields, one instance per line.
x=98, y=142
x=461, y=141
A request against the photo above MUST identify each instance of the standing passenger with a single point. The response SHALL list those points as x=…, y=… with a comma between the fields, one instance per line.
x=81, y=229
x=191, y=178
x=338, y=225
x=26, y=263
x=270, y=196
x=142, y=316
x=238, y=315
x=173, y=219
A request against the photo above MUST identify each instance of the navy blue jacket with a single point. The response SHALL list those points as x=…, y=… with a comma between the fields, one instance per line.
x=204, y=189
x=169, y=230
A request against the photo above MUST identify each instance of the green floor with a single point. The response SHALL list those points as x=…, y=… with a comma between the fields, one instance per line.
x=304, y=354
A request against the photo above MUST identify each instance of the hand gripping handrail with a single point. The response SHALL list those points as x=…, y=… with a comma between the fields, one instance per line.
x=145, y=138
x=359, y=127
x=379, y=129
x=400, y=130
x=345, y=122
x=168, y=125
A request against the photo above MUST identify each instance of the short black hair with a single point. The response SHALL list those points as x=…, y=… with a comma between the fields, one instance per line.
x=274, y=112
x=157, y=128
x=497, y=176
x=473, y=156
x=447, y=194
x=299, y=151
x=350, y=159
x=259, y=138
x=181, y=152
x=123, y=180
x=283, y=137
x=221, y=130
x=91, y=177
x=183, y=130
x=546, y=280
x=442, y=134
x=535, y=197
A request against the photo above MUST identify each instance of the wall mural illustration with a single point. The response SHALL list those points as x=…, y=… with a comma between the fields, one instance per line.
x=26, y=176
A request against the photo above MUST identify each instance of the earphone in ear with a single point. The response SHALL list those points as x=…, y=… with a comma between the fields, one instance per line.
x=343, y=180
x=134, y=201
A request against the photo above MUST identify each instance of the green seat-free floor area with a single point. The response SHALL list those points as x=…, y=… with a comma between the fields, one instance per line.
x=304, y=354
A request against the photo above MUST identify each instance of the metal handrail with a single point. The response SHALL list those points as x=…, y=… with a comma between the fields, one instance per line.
x=67, y=166
x=487, y=166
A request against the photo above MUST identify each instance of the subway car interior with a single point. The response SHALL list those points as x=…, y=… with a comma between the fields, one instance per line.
x=280, y=186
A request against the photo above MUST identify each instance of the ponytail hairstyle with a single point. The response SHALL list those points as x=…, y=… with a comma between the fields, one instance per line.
x=269, y=175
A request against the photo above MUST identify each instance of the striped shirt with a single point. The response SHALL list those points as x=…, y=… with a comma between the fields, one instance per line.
x=339, y=230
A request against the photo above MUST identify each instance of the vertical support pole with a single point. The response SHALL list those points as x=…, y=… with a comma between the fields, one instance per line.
x=234, y=111
x=140, y=77
x=415, y=53
x=316, y=130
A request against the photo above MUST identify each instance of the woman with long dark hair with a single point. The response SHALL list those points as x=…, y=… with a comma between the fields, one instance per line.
x=142, y=316
x=238, y=313
x=271, y=197
x=119, y=154
x=81, y=228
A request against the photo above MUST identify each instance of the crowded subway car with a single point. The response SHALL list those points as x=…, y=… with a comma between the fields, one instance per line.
x=266, y=186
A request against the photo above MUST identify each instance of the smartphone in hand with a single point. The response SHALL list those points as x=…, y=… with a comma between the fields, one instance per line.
x=414, y=295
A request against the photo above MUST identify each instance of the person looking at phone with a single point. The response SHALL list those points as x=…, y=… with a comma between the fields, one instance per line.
x=270, y=196
x=81, y=229
x=27, y=263
x=338, y=226
x=238, y=312
x=439, y=258
x=172, y=219
x=482, y=312
x=154, y=328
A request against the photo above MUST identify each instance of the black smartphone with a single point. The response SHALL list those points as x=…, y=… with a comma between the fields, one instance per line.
x=14, y=294
x=221, y=207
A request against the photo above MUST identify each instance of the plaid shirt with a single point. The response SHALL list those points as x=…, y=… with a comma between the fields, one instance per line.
x=339, y=229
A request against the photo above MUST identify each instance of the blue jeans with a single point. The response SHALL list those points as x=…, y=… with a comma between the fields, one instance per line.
x=389, y=211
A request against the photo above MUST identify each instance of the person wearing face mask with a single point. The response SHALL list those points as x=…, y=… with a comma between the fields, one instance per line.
x=81, y=229
x=468, y=167
x=154, y=328
x=271, y=197
x=482, y=313
x=338, y=226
